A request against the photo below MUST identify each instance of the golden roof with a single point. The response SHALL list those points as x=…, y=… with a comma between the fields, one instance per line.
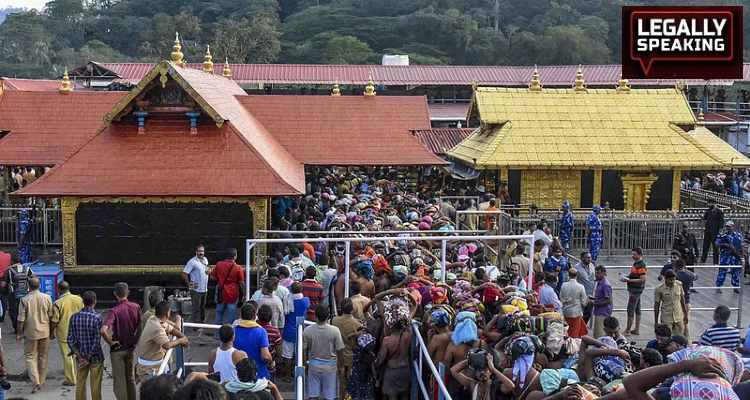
x=600, y=128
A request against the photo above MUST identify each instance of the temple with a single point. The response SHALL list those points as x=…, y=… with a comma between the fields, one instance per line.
x=189, y=157
x=623, y=146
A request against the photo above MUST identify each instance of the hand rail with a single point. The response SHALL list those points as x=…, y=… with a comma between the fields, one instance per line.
x=424, y=357
x=299, y=369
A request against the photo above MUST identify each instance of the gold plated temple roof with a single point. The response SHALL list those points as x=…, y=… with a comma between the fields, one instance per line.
x=562, y=129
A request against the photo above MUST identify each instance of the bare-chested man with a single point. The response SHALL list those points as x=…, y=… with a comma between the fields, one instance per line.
x=465, y=337
x=394, y=352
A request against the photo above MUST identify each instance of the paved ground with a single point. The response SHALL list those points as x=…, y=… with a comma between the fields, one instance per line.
x=201, y=346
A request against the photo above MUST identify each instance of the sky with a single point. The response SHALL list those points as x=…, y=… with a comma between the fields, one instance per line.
x=38, y=4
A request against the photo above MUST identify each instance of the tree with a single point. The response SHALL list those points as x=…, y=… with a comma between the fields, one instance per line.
x=249, y=40
x=570, y=45
x=347, y=50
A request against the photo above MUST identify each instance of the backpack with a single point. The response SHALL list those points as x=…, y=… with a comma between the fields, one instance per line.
x=18, y=280
x=296, y=270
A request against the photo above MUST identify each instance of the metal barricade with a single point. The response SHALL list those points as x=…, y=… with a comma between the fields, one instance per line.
x=46, y=225
x=700, y=198
x=738, y=310
x=420, y=356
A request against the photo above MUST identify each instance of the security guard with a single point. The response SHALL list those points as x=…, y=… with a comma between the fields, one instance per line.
x=566, y=226
x=730, y=249
x=594, y=232
x=24, y=236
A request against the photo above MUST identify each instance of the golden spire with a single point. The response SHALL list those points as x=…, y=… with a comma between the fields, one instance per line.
x=176, y=50
x=65, y=88
x=208, y=65
x=370, y=88
x=336, y=91
x=701, y=120
x=580, y=87
x=226, y=73
x=535, y=82
x=475, y=84
x=623, y=85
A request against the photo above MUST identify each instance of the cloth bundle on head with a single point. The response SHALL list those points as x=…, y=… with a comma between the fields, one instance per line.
x=369, y=252
x=381, y=265
x=468, y=275
x=687, y=386
x=396, y=315
x=365, y=340
x=461, y=287
x=400, y=272
x=552, y=378
x=439, y=295
x=440, y=318
x=424, y=226
x=477, y=359
x=466, y=328
x=522, y=350
x=366, y=268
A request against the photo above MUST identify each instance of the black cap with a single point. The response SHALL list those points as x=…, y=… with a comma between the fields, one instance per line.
x=681, y=340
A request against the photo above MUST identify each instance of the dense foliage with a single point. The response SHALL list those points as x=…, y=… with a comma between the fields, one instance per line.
x=68, y=33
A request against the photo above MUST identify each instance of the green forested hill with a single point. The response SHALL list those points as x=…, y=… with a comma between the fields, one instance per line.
x=513, y=32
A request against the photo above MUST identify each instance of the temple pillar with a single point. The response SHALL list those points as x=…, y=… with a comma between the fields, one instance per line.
x=636, y=187
x=676, y=181
x=598, y=186
x=260, y=210
x=69, y=207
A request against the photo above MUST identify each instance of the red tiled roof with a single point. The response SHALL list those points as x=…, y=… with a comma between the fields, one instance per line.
x=717, y=116
x=346, y=130
x=166, y=160
x=399, y=75
x=34, y=84
x=239, y=159
x=46, y=126
x=440, y=140
x=448, y=111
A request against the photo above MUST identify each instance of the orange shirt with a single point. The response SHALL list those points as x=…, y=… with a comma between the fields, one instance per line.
x=488, y=216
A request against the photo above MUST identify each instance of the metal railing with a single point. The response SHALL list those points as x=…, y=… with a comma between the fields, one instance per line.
x=46, y=225
x=420, y=356
x=741, y=110
x=650, y=290
x=699, y=198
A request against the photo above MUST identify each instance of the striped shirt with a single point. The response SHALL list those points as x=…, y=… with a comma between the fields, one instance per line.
x=313, y=291
x=721, y=335
x=274, y=339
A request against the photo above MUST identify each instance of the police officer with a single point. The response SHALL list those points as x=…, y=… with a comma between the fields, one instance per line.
x=24, y=236
x=594, y=232
x=685, y=243
x=730, y=247
x=566, y=226
x=15, y=284
x=714, y=219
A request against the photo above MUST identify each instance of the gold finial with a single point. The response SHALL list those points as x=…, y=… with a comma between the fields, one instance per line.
x=370, y=88
x=701, y=120
x=535, y=82
x=336, y=91
x=226, y=73
x=176, y=50
x=475, y=84
x=65, y=88
x=580, y=87
x=623, y=85
x=208, y=64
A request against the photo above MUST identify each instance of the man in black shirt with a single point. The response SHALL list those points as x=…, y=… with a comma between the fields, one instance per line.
x=686, y=278
x=685, y=243
x=714, y=218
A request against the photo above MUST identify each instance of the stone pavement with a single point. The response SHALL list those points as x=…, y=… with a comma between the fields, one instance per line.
x=202, y=345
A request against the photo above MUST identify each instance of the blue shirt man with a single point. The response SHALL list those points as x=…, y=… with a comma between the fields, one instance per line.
x=730, y=245
x=547, y=293
x=566, y=226
x=557, y=264
x=594, y=230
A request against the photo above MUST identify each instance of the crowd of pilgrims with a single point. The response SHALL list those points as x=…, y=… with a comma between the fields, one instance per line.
x=484, y=321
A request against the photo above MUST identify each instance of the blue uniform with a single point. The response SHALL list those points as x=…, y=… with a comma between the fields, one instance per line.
x=24, y=228
x=726, y=258
x=566, y=230
x=560, y=266
x=595, y=237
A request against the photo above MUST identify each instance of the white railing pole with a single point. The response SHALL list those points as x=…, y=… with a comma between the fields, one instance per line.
x=442, y=255
x=248, y=246
x=346, y=273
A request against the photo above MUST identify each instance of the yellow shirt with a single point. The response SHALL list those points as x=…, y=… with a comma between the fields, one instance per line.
x=67, y=305
x=671, y=304
x=35, y=311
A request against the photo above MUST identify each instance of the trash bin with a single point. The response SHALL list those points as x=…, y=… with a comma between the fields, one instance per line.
x=49, y=276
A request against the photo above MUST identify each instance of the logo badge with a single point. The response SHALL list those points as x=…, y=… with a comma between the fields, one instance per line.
x=682, y=42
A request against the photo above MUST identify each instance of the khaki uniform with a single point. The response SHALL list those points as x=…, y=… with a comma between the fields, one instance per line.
x=149, y=351
x=35, y=310
x=671, y=299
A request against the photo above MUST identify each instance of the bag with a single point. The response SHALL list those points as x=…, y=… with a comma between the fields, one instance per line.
x=220, y=288
x=296, y=271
